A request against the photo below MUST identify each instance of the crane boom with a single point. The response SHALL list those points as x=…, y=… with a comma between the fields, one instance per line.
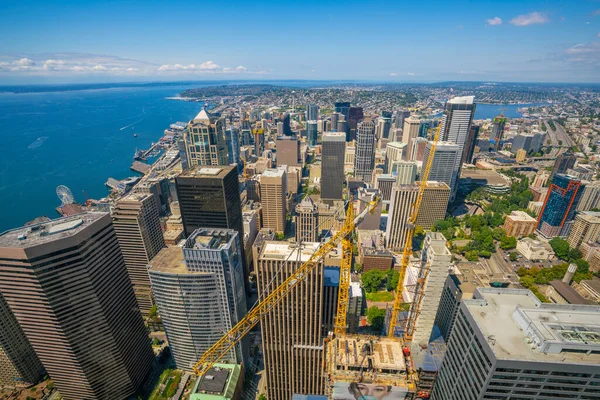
x=262, y=308
x=411, y=224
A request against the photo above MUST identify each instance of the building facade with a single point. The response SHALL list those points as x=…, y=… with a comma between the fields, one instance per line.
x=199, y=291
x=586, y=229
x=333, y=153
x=409, y=133
x=563, y=162
x=307, y=215
x=66, y=283
x=444, y=162
x=364, y=159
x=19, y=365
x=273, y=189
x=560, y=205
x=288, y=151
x=497, y=349
x=455, y=127
x=205, y=140
x=395, y=151
x=137, y=225
x=436, y=259
x=590, y=198
x=519, y=223
x=291, y=332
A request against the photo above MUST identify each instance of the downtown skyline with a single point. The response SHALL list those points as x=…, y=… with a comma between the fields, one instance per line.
x=512, y=41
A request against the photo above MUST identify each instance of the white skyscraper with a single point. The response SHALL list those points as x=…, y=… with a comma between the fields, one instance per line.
x=410, y=132
x=444, y=164
x=199, y=291
x=455, y=126
x=405, y=172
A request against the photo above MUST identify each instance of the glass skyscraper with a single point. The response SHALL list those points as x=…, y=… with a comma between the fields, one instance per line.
x=561, y=203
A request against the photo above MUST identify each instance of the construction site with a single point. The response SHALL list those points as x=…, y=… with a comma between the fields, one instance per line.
x=366, y=366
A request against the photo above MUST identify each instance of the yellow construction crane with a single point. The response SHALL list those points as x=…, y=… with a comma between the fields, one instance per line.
x=412, y=220
x=262, y=308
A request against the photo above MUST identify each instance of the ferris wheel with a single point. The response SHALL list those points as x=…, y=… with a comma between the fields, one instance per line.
x=65, y=195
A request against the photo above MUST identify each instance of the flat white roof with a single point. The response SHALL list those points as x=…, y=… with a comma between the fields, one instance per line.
x=462, y=100
x=289, y=251
x=518, y=326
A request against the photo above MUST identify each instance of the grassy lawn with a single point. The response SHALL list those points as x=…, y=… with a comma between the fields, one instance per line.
x=380, y=296
x=167, y=379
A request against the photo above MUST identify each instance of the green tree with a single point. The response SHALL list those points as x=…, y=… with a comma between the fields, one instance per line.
x=512, y=256
x=376, y=318
x=560, y=248
x=262, y=396
x=372, y=280
x=392, y=277
x=498, y=233
x=472, y=255
x=153, y=312
x=358, y=268
x=574, y=254
x=508, y=242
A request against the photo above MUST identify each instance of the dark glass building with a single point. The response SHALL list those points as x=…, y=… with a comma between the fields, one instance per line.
x=563, y=163
x=470, y=142
x=560, y=205
x=355, y=115
x=334, y=149
x=343, y=107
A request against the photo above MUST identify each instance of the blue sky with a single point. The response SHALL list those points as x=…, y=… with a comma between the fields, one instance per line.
x=417, y=41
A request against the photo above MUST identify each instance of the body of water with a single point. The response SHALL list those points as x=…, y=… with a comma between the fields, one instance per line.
x=77, y=139
x=489, y=111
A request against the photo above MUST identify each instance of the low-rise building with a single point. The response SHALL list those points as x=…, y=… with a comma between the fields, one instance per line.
x=379, y=259
x=536, y=250
x=221, y=382
x=592, y=287
x=519, y=223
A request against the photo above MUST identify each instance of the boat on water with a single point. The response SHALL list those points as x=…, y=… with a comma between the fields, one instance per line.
x=139, y=154
x=135, y=135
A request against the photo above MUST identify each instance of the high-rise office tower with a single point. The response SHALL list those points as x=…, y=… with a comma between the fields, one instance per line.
x=137, y=225
x=563, y=162
x=590, y=198
x=288, y=151
x=19, y=365
x=342, y=126
x=273, y=190
x=424, y=127
x=470, y=142
x=418, y=149
x=210, y=198
x=205, y=140
x=364, y=160
x=355, y=115
x=410, y=132
x=497, y=133
x=312, y=112
x=382, y=129
x=395, y=151
x=307, y=215
x=234, y=135
x=343, y=107
x=79, y=312
x=506, y=344
x=526, y=141
x=433, y=208
x=334, y=118
x=385, y=183
x=560, y=205
x=436, y=260
x=311, y=132
x=455, y=127
x=444, y=162
x=199, y=291
x=586, y=229
x=405, y=172
x=286, y=127
x=291, y=332
x=332, y=164
x=399, y=118
x=279, y=128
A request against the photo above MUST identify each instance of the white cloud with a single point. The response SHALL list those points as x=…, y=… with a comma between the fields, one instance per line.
x=411, y=74
x=584, y=53
x=393, y=74
x=81, y=63
x=494, y=21
x=530, y=19
x=472, y=73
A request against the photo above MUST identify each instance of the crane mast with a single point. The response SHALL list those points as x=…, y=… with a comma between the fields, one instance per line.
x=411, y=224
